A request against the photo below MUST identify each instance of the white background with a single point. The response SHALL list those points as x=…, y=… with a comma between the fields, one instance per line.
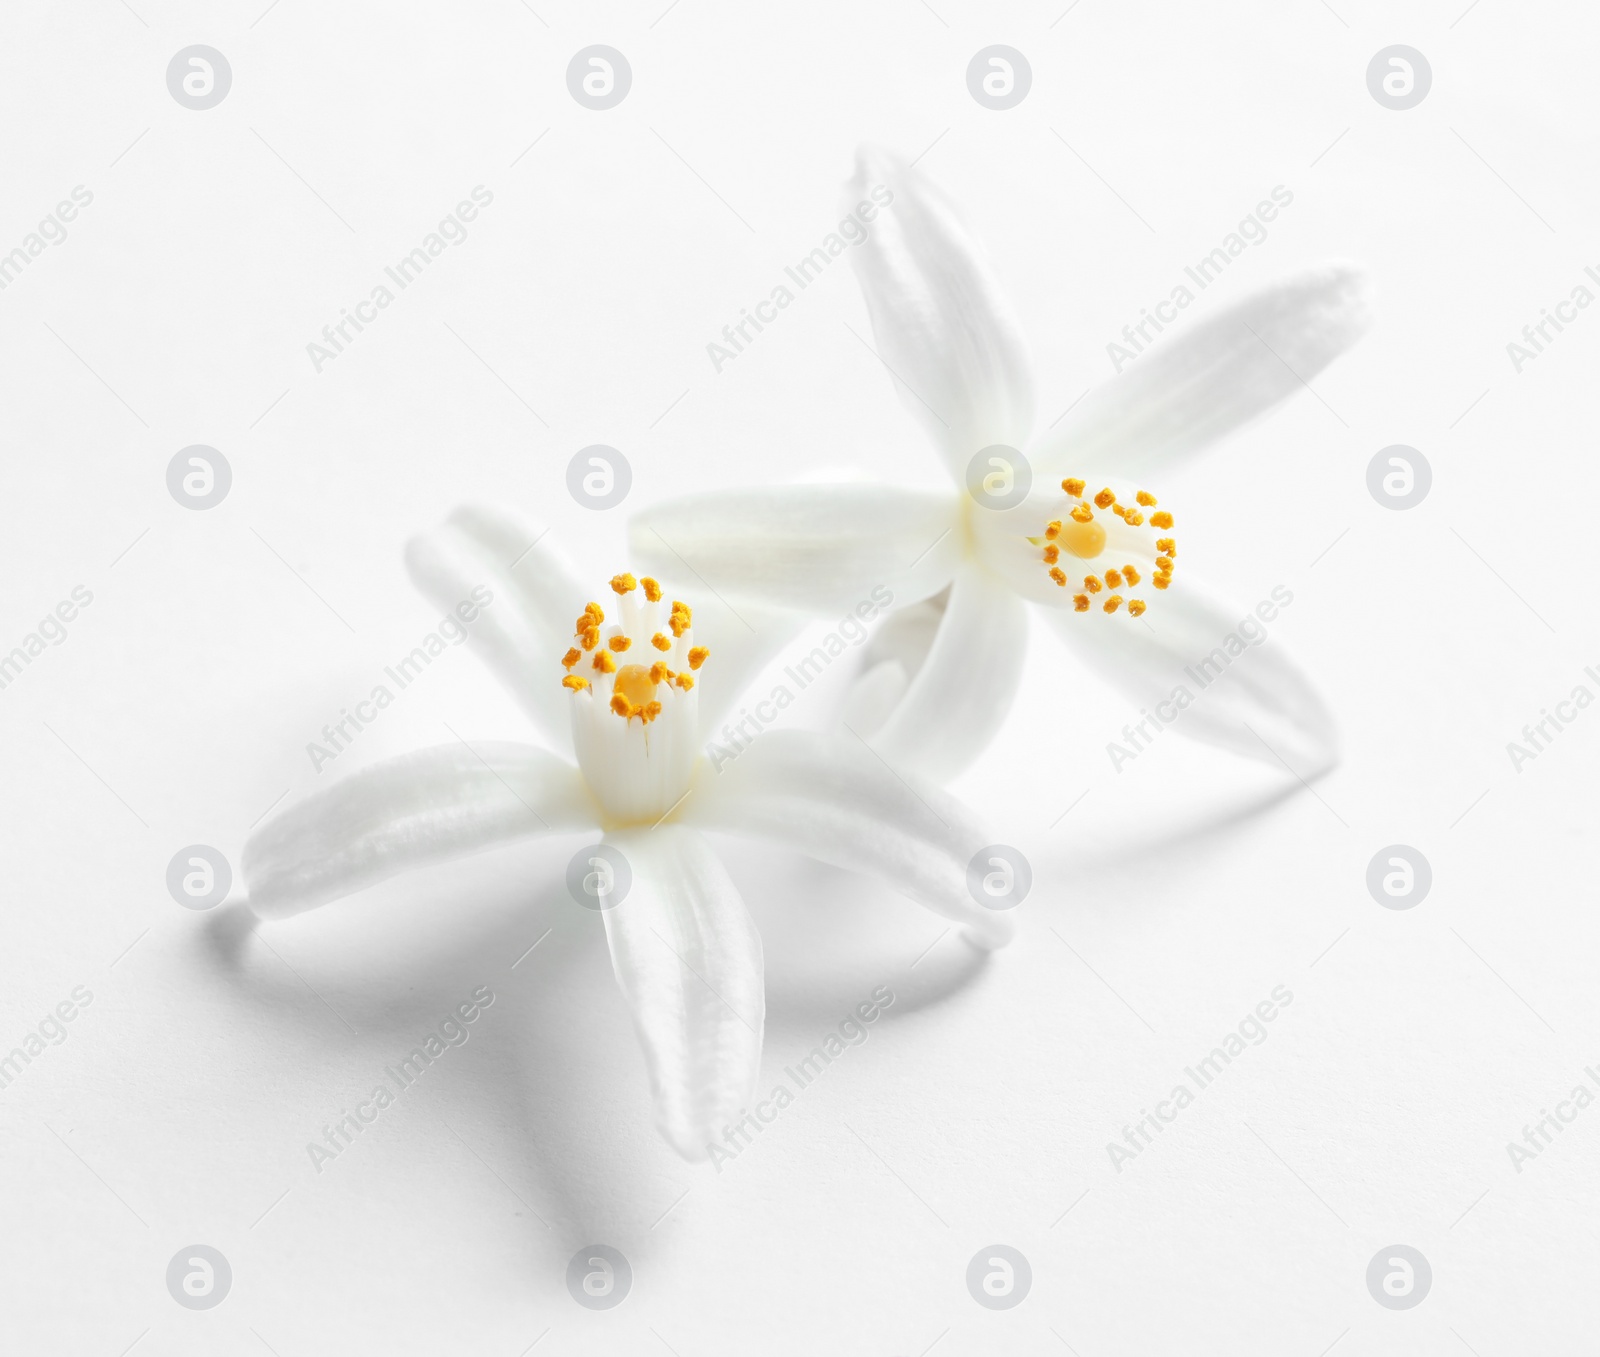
x=1171, y=900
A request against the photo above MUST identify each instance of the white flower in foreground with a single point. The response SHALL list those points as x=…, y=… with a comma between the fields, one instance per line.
x=624, y=686
x=945, y=335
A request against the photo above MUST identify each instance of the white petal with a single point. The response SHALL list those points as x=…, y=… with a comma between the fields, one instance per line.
x=528, y=626
x=816, y=548
x=1211, y=378
x=889, y=661
x=939, y=321
x=419, y=809
x=688, y=959
x=834, y=799
x=742, y=638
x=964, y=689
x=1262, y=705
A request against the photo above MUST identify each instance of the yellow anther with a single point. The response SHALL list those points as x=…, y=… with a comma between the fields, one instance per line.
x=652, y=590
x=1052, y=554
x=681, y=619
x=659, y=673
x=1164, y=565
x=1161, y=520
x=1082, y=513
x=1113, y=603
x=592, y=610
x=1149, y=501
x=571, y=658
x=1130, y=574
x=1136, y=607
x=698, y=655
x=1092, y=584
x=619, y=643
x=1052, y=530
x=620, y=705
x=1073, y=486
x=1167, y=545
x=1134, y=518
x=1058, y=575
x=684, y=681
x=1114, y=579
x=1161, y=581
x=604, y=663
x=650, y=712
x=1080, y=603
x=624, y=584
x=590, y=637
x=1105, y=499
x=660, y=642
x=1119, y=511
x=576, y=682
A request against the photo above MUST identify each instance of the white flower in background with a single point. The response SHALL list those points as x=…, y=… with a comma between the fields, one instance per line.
x=628, y=689
x=1059, y=525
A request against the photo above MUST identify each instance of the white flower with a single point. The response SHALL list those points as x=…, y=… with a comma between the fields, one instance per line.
x=945, y=335
x=626, y=686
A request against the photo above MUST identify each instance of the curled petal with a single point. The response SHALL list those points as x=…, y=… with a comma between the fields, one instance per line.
x=834, y=799
x=408, y=812
x=963, y=690
x=939, y=322
x=687, y=957
x=1211, y=378
x=522, y=631
x=815, y=548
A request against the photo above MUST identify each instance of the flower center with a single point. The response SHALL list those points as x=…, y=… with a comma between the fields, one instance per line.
x=635, y=724
x=1120, y=531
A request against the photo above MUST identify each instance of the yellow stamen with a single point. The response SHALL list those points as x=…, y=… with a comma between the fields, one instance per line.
x=619, y=704
x=1092, y=584
x=1130, y=574
x=1161, y=581
x=1167, y=545
x=1161, y=520
x=571, y=658
x=1136, y=607
x=1113, y=603
x=660, y=642
x=1148, y=500
x=1059, y=576
x=624, y=584
x=652, y=590
x=576, y=682
x=604, y=663
x=1082, y=513
x=1134, y=518
x=1052, y=554
x=1105, y=499
x=698, y=655
x=659, y=673
x=1114, y=579
x=1073, y=486
x=1080, y=603
x=1164, y=565
x=1052, y=530
x=684, y=681
x=592, y=610
x=619, y=643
